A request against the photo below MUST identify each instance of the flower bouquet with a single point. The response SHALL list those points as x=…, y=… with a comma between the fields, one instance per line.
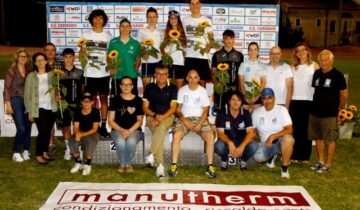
x=59, y=89
x=148, y=49
x=200, y=32
x=347, y=118
x=113, y=63
x=221, y=81
x=173, y=40
x=84, y=56
x=254, y=91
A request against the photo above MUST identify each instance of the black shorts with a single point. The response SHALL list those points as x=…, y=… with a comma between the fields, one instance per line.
x=98, y=85
x=177, y=72
x=200, y=65
x=67, y=117
x=148, y=71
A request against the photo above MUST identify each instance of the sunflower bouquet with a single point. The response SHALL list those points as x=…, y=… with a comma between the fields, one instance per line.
x=200, y=32
x=349, y=114
x=221, y=81
x=113, y=63
x=147, y=49
x=173, y=40
x=253, y=92
x=59, y=89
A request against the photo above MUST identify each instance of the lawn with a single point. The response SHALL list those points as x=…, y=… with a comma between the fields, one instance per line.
x=27, y=186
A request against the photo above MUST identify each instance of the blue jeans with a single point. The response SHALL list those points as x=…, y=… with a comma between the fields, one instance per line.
x=22, y=123
x=125, y=148
x=222, y=149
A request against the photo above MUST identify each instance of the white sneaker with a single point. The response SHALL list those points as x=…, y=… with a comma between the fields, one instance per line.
x=150, y=160
x=271, y=164
x=67, y=155
x=86, y=170
x=160, y=171
x=17, y=157
x=77, y=167
x=26, y=155
x=285, y=174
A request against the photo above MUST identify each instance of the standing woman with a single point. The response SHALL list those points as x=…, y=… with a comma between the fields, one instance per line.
x=14, y=100
x=176, y=70
x=40, y=104
x=125, y=119
x=150, y=32
x=251, y=69
x=303, y=70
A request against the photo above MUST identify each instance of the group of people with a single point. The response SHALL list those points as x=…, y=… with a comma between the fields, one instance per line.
x=296, y=103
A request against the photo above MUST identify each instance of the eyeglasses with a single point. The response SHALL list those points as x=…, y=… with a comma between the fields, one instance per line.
x=161, y=74
x=126, y=85
x=22, y=56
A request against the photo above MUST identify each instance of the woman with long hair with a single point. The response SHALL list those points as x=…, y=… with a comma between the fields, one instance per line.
x=41, y=105
x=14, y=101
x=303, y=68
x=125, y=119
x=176, y=70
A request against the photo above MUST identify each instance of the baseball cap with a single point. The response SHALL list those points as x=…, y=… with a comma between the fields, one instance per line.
x=88, y=96
x=173, y=12
x=125, y=20
x=267, y=92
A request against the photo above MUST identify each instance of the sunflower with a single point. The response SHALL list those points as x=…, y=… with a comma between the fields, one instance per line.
x=58, y=71
x=342, y=117
x=82, y=42
x=256, y=82
x=342, y=111
x=353, y=108
x=174, y=34
x=204, y=24
x=349, y=115
x=148, y=42
x=223, y=66
x=113, y=54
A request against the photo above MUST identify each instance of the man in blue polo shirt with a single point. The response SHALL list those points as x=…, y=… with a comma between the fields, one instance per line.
x=235, y=131
x=129, y=56
x=159, y=105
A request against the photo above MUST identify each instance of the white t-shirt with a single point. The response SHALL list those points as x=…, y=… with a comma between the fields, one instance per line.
x=156, y=35
x=193, y=101
x=190, y=24
x=303, y=75
x=176, y=55
x=250, y=70
x=44, y=95
x=270, y=122
x=276, y=80
x=97, y=43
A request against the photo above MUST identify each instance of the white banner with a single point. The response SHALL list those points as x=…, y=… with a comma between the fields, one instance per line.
x=156, y=196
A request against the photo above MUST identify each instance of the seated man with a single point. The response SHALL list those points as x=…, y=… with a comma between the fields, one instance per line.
x=86, y=124
x=159, y=105
x=274, y=126
x=235, y=132
x=193, y=109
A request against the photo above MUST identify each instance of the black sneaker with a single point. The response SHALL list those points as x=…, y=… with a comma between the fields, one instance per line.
x=243, y=165
x=103, y=132
x=224, y=165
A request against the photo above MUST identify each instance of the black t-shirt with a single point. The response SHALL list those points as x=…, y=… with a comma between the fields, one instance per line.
x=327, y=92
x=233, y=58
x=126, y=111
x=235, y=128
x=87, y=121
x=160, y=99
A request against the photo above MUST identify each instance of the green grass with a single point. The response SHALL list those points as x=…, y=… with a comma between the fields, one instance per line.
x=27, y=186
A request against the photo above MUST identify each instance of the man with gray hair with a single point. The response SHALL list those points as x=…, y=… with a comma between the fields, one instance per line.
x=331, y=94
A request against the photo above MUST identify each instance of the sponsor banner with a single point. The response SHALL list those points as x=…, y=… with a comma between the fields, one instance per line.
x=240, y=18
x=267, y=44
x=75, y=195
x=252, y=35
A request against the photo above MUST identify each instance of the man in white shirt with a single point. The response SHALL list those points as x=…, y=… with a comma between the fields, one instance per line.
x=279, y=77
x=274, y=126
x=192, y=111
x=194, y=59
